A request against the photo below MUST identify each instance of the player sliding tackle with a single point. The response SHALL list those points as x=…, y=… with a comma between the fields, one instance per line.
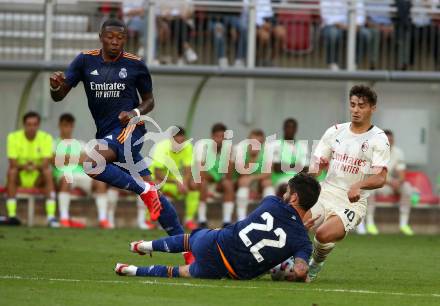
x=356, y=154
x=246, y=249
x=112, y=81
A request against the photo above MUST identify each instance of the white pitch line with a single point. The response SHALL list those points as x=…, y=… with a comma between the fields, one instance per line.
x=184, y=284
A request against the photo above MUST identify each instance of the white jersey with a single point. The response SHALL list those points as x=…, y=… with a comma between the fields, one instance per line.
x=352, y=157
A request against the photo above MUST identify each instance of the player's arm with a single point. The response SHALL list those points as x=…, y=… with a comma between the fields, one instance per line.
x=58, y=87
x=321, y=156
x=373, y=182
x=146, y=106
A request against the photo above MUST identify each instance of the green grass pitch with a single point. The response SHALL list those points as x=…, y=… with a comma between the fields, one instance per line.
x=43, y=266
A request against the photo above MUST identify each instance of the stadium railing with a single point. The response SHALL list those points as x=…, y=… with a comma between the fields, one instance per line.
x=58, y=30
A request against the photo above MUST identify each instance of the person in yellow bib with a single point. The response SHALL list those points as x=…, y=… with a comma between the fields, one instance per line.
x=29, y=152
x=179, y=184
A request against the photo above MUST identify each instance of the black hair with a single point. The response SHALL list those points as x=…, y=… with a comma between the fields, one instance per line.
x=365, y=93
x=307, y=188
x=31, y=114
x=181, y=131
x=388, y=132
x=218, y=127
x=257, y=132
x=113, y=22
x=290, y=121
x=66, y=117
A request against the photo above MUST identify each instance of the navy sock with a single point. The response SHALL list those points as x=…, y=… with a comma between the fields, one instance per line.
x=172, y=244
x=115, y=176
x=158, y=271
x=168, y=218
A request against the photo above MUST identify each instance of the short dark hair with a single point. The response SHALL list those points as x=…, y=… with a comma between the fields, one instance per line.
x=290, y=121
x=67, y=117
x=31, y=114
x=365, y=93
x=218, y=127
x=307, y=188
x=113, y=22
x=388, y=132
x=180, y=132
x=257, y=132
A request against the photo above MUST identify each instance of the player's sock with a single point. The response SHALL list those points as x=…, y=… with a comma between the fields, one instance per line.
x=242, y=202
x=268, y=191
x=202, y=212
x=321, y=250
x=51, y=208
x=228, y=209
x=191, y=203
x=404, y=211
x=116, y=177
x=141, y=213
x=101, y=204
x=11, y=207
x=172, y=244
x=63, y=205
x=370, y=214
x=168, y=218
x=158, y=271
x=113, y=197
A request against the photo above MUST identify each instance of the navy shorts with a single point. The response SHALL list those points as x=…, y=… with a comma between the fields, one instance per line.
x=208, y=263
x=119, y=142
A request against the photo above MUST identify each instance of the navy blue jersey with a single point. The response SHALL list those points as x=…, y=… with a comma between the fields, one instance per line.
x=111, y=87
x=269, y=235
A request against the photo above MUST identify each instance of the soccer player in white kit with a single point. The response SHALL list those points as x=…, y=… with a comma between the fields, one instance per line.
x=357, y=155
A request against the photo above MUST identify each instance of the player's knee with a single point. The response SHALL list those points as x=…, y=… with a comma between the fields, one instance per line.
x=12, y=172
x=323, y=235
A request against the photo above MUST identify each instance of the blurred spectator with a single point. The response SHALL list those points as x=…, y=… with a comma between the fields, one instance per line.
x=216, y=175
x=134, y=12
x=381, y=26
x=403, y=33
x=29, y=152
x=228, y=25
x=246, y=155
x=334, y=14
x=395, y=185
x=421, y=37
x=179, y=184
x=287, y=154
x=176, y=21
x=73, y=152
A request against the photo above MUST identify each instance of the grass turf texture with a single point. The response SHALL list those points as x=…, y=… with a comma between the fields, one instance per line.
x=74, y=267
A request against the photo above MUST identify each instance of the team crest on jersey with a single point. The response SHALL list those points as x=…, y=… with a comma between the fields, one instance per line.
x=123, y=73
x=364, y=146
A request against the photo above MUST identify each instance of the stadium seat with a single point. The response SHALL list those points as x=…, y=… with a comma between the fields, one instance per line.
x=30, y=195
x=421, y=181
x=298, y=29
x=387, y=198
x=2, y=189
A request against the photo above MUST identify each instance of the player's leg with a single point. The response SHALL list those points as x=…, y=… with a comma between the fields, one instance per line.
x=206, y=179
x=64, y=201
x=192, y=199
x=242, y=196
x=227, y=186
x=113, y=198
x=152, y=271
x=101, y=200
x=171, y=244
x=45, y=180
x=11, y=186
x=406, y=191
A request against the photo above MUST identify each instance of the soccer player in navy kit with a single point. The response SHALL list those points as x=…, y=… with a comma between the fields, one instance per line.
x=112, y=80
x=268, y=236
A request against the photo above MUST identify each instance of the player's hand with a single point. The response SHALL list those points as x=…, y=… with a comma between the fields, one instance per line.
x=57, y=79
x=182, y=188
x=354, y=194
x=309, y=223
x=125, y=117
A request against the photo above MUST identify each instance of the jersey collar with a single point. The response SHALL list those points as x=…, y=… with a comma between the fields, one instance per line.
x=112, y=61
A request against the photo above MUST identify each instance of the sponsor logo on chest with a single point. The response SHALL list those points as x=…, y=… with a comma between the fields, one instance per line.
x=108, y=89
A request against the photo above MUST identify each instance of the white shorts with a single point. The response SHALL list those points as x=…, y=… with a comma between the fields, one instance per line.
x=82, y=181
x=334, y=202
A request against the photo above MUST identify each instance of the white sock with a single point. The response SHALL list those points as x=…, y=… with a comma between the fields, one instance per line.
x=146, y=246
x=228, y=209
x=404, y=214
x=63, y=205
x=321, y=250
x=141, y=212
x=113, y=197
x=268, y=191
x=147, y=188
x=370, y=213
x=130, y=270
x=242, y=202
x=202, y=210
x=101, y=200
